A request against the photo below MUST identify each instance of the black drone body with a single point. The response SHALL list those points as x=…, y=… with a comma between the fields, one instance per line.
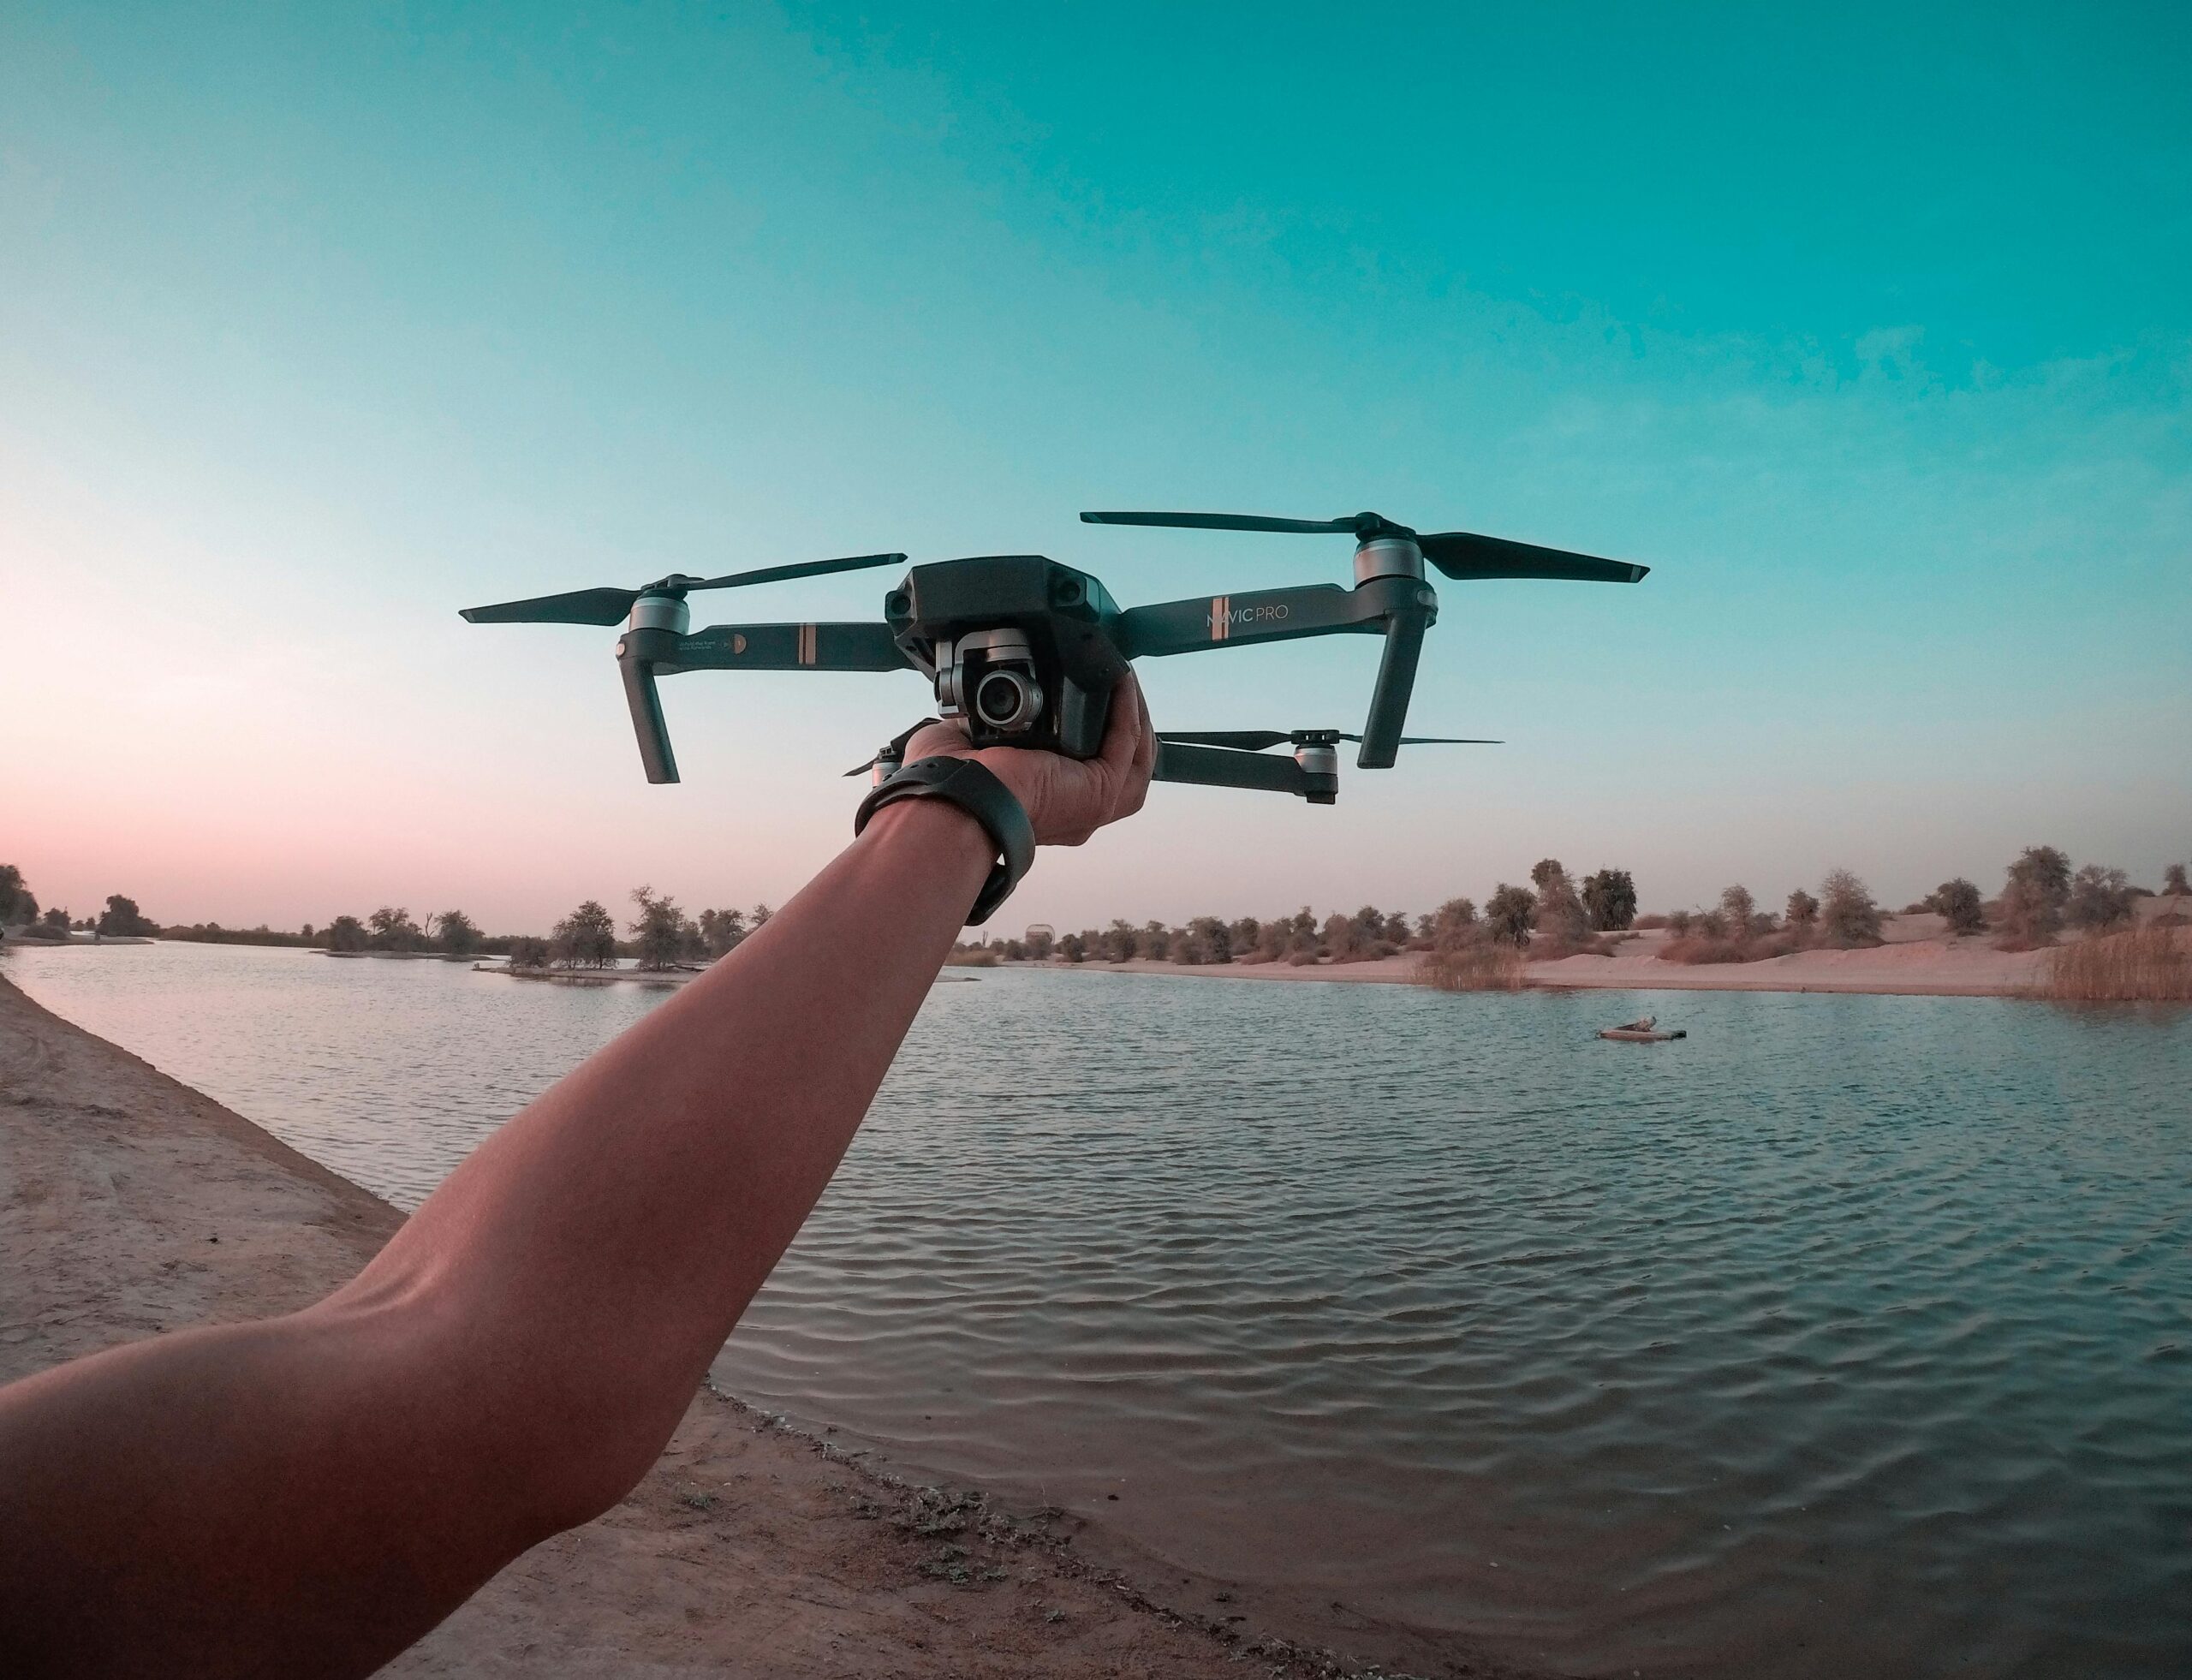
x=1023, y=651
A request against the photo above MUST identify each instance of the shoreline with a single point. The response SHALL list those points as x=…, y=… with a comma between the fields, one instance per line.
x=132, y=1204
x=1917, y=958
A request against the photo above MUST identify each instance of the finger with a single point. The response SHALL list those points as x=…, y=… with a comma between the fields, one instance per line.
x=1122, y=732
x=1145, y=758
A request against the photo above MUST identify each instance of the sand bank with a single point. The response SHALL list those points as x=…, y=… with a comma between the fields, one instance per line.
x=131, y=1205
x=1918, y=959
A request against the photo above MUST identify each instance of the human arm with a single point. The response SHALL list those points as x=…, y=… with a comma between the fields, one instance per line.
x=309, y=1494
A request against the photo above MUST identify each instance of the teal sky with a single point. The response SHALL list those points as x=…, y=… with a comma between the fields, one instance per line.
x=1871, y=332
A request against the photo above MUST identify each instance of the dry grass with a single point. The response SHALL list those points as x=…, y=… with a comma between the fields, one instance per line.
x=1480, y=966
x=975, y=956
x=2148, y=965
x=1698, y=949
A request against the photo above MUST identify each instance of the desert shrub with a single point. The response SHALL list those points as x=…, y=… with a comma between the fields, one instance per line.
x=2173, y=883
x=1698, y=947
x=1645, y=924
x=1304, y=958
x=1073, y=947
x=1677, y=923
x=1957, y=904
x=1799, y=916
x=2144, y=965
x=1509, y=914
x=1848, y=916
x=1610, y=900
x=2099, y=899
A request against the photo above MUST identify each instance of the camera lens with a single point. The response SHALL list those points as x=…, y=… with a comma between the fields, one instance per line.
x=1006, y=699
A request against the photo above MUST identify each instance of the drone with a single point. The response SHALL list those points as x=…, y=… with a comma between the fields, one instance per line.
x=1024, y=652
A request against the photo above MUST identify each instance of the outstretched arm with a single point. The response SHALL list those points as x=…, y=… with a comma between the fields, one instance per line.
x=309, y=1494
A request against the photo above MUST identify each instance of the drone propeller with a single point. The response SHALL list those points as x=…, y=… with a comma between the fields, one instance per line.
x=894, y=749
x=1458, y=554
x=1255, y=740
x=606, y=606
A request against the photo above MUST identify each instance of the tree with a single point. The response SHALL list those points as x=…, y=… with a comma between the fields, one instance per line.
x=585, y=938
x=1215, y=937
x=1451, y=920
x=2100, y=898
x=1738, y=909
x=1119, y=940
x=722, y=931
x=1155, y=941
x=2172, y=882
x=1610, y=897
x=658, y=929
x=457, y=932
x=1395, y=930
x=1338, y=937
x=1075, y=947
x=1561, y=918
x=122, y=919
x=1543, y=870
x=55, y=923
x=1510, y=914
x=528, y=951
x=759, y=916
x=1801, y=913
x=1957, y=903
x=2034, y=897
x=1847, y=914
x=394, y=930
x=13, y=893
x=346, y=934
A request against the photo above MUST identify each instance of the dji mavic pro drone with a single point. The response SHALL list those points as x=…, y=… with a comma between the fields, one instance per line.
x=1024, y=652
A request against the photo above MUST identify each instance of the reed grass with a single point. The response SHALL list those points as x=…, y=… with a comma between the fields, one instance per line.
x=2146, y=965
x=1478, y=966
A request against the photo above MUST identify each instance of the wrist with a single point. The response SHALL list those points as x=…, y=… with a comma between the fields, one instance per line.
x=974, y=790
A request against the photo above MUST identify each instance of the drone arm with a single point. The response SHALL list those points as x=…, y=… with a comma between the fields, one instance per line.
x=1226, y=767
x=843, y=646
x=1266, y=615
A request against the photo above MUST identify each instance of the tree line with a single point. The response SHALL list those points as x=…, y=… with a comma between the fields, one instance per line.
x=1558, y=915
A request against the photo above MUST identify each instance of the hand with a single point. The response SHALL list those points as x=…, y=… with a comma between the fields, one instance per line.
x=1066, y=799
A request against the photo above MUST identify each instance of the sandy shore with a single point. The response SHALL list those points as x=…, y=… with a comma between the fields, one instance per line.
x=1919, y=959
x=131, y=1204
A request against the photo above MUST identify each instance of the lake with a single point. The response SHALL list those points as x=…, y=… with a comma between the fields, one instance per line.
x=1850, y=1335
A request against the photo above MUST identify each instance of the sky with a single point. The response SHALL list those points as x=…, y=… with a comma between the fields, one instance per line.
x=1870, y=331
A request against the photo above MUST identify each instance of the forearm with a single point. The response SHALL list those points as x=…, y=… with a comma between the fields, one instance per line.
x=605, y=1240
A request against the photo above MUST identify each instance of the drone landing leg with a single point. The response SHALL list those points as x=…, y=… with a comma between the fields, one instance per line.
x=1381, y=731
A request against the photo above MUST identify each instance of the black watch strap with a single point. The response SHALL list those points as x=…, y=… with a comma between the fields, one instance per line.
x=970, y=785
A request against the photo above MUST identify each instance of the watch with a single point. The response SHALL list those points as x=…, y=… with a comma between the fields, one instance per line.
x=975, y=788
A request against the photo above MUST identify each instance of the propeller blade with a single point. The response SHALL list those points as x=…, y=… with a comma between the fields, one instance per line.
x=1462, y=554
x=577, y=606
x=1255, y=740
x=803, y=569
x=1205, y=521
x=1248, y=741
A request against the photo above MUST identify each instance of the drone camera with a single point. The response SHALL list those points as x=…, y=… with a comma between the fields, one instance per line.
x=989, y=681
